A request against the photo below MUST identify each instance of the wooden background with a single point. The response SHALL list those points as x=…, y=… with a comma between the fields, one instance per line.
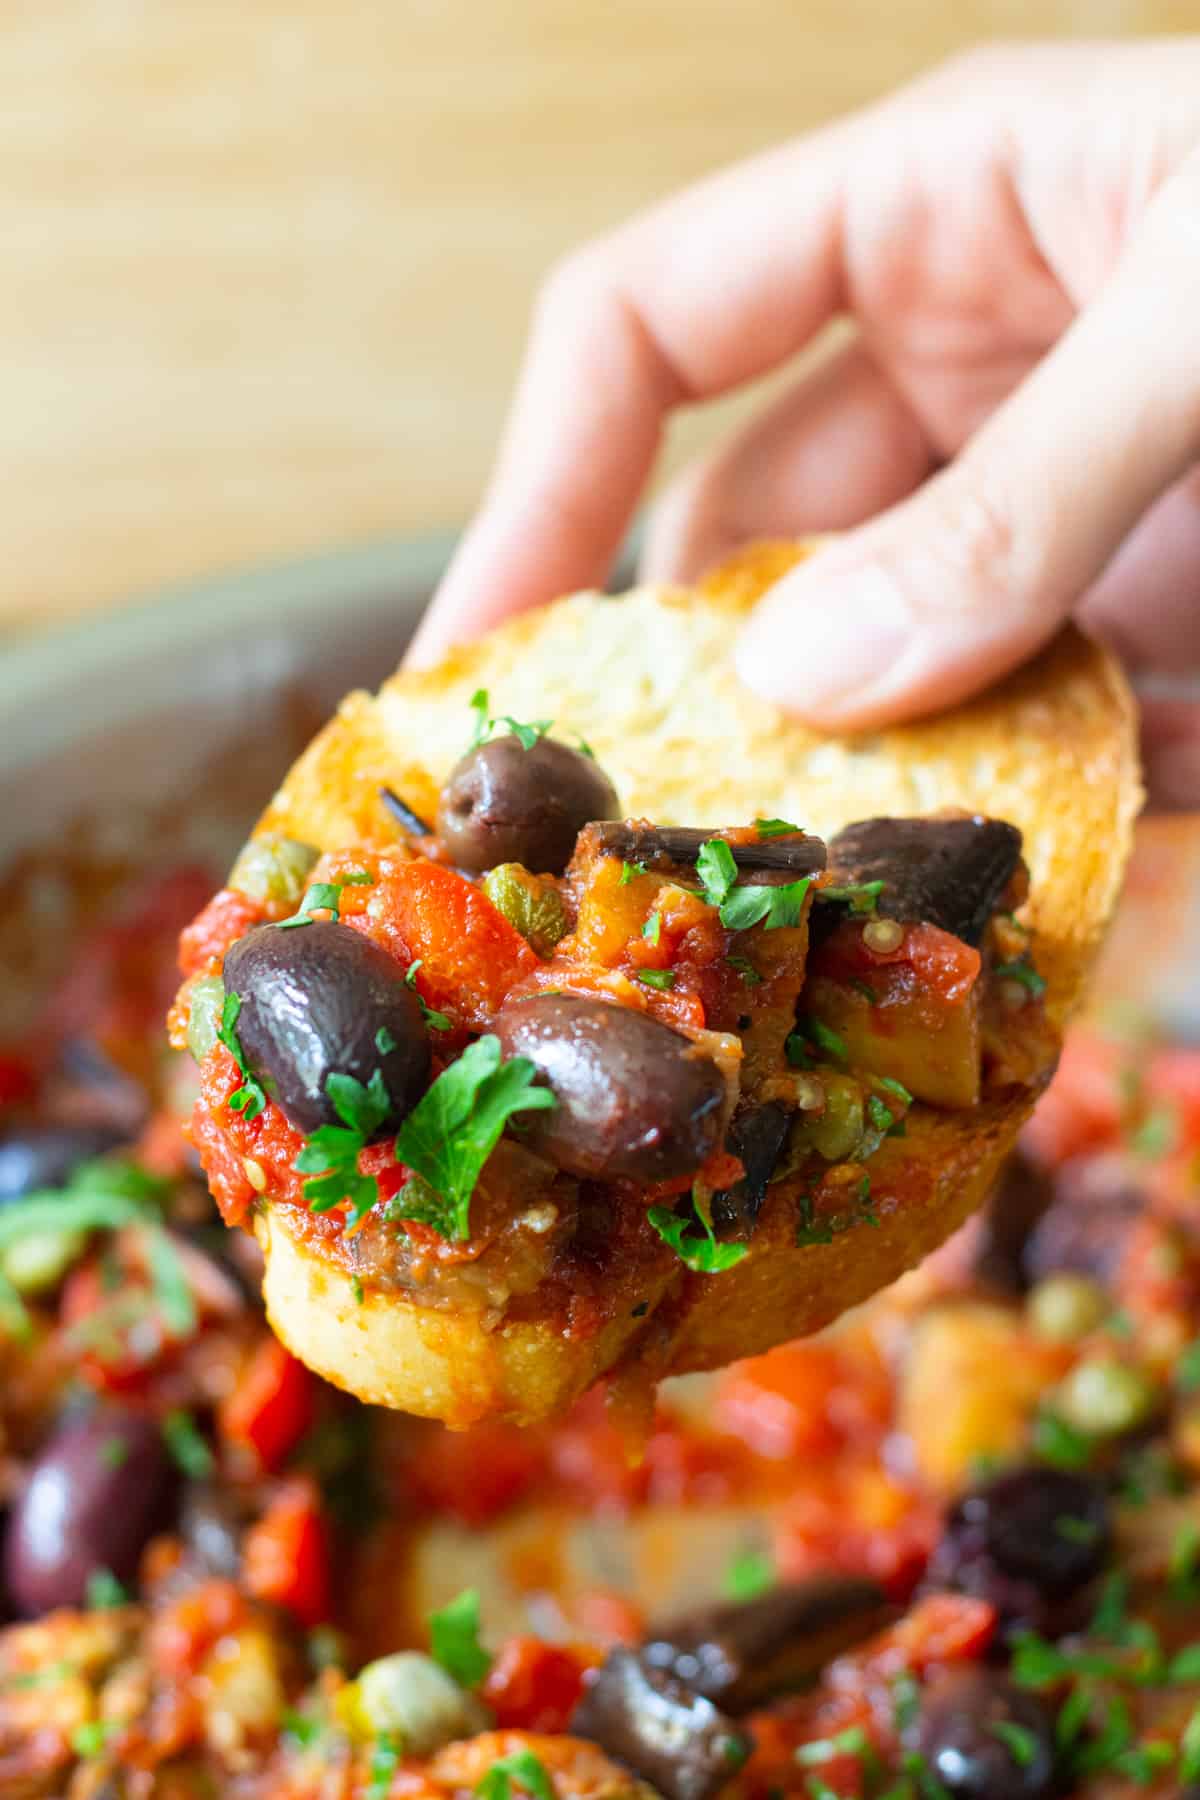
x=266, y=263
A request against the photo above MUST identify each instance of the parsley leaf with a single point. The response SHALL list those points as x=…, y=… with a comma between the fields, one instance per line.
x=186, y=1444
x=1018, y=1740
x=860, y=896
x=745, y=969
x=522, y=1767
x=455, y=1126
x=750, y=1573
x=436, y=1021
x=104, y=1592
x=454, y=1639
x=657, y=978
x=702, y=1254
x=770, y=828
x=485, y=727
x=385, y=1760
x=249, y=1099
x=331, y=1153
x=1023, y=973
x=652, y=927
x=629, y=870
x=1061, y=1445
x=741, y=907
x=809, y=1035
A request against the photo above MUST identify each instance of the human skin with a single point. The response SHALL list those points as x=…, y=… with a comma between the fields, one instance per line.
x=1009, y=436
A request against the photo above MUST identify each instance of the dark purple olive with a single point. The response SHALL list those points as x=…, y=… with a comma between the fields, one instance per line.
x=506, y=804
x=635, y=1098
x=46, y=1156
x=739, y=1655
x=319, y=1000
x=985, y=1739
x=947, y=872
x=672, y=1737
x=1097, y=1201
x=1025, y=1541
x=100, y=1489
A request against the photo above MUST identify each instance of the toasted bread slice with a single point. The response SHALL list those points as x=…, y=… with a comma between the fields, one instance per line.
x=648, y=681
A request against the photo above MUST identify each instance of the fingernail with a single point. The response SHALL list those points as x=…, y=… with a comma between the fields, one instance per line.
x=821, y=640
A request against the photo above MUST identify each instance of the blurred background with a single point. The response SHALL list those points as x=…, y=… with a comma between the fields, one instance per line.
x=268, y=262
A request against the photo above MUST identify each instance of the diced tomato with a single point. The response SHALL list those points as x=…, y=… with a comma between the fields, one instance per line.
x=272, y=1406
x=286, y=1554
x=1174, y=1078
x=780, y=1404
x=942, y=1628
x=227, y=917
x=475, y=1475
x=17, y=1082
x=469, y=953
x=182, y=1633
x=534, y=1686
x=1084, y=1107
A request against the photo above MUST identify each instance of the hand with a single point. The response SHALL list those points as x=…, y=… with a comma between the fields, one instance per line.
x=1017, y=240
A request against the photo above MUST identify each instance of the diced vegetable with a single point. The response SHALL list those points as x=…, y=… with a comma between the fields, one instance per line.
x=271, y=1406
x=273, y=868
x=285, y=1556
x=206, y=999
x=411, y=1694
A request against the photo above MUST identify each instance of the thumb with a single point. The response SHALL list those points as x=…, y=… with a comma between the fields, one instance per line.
x=951, y=589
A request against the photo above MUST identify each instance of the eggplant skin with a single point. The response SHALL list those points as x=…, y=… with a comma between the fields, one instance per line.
x=674, y=1738
x=949, y=872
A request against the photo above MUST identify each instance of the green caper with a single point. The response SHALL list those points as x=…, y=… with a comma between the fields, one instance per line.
x=1106, y=1398
x=534, y=906
x=273, y=867
x=1066, y=1307
x=204, y=1016
x=837, y=1132
x=37, y=1262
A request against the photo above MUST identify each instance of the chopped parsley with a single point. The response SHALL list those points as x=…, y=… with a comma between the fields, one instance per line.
x=187, y=1446
x=1022, y=972
x=906, y=1702
x=657, y=978
x=92, y=1738
x=810, y=1034
x=629, y=870
x=772, y=828
x=700, y=1251
x=812, y=1228
x=1183, y=1566
x=436, y=1021
x=860, y=896
x=384, y=1041
x=1061, y=1445
x=324, y=896
x=1189, y=1749
x=454, y=1639
x=330, y=1155
x=453, y=1129
x=1018, y=1740
x=249, y=1099
x=751, y=1572
x=105, y=1592
x=652, y=928
x=523, y=1768
x=741, y=907
x=745, y=969
x=385, y=1760
x=356, y=1288
x=485, y=726
x=303, y=1730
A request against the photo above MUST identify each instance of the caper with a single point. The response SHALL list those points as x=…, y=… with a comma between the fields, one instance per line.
x=204, y=1016
x=1106, y=1398
x=534, y=906
x=837, y=1132
x=273, y=867
x=1066, y=1307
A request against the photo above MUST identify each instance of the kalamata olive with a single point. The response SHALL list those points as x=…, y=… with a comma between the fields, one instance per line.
x=319, y=1000
x=505, y=804
x=1026, y=1541
x=740, y=1654
x=985, y=1739
x=45, y=1156
x=634, y=1097
x=672, y=1737
x=1097, y=1201
x=100, y=1489
x=947, y=872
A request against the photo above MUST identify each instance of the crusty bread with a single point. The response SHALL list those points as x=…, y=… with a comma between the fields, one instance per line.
x=648, y=681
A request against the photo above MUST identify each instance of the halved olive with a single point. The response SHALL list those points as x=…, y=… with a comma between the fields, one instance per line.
x=505, y=804
x=635, y=1098
x=319, y=1000
x=947, y=872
